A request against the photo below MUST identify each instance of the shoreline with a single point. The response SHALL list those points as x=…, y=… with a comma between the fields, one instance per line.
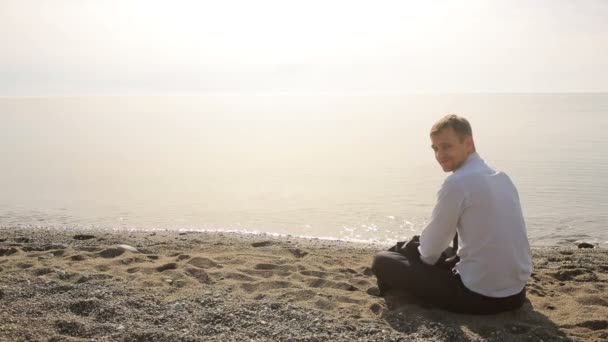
x=84, y=284
x=570, y=243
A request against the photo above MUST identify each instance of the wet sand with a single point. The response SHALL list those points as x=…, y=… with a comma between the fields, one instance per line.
x=70, y=285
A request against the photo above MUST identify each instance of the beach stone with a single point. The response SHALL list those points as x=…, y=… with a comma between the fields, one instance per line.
x=585, y=245
x=83, y=237
x=374, y=291
x=169, y=266
x=111, y=252
x=262, y=244
x=128, y=248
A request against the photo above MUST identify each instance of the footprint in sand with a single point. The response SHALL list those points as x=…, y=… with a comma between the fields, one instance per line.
x=133, y=270
x=199, y=274
x=347, y=270
x=323, y=283
x=83, y=237
x=93, y=277
x=78, y=257
x=298, y=253
x=298, y=295
x=594, y=324
x=67, y=276
x=131, y=260
x=348, y=300
x=8, y=251
x=24, y=265
x=266, y=285
x=42, y=271
x=102, y=268
x=235, y=276
x=265, y=270
x=536, y=290
x=325, y=304
x=85, y=307
x=592, y=300
x=361, y=283
x=202, y=262
x=367, y=271
x=262, y=244
x=269, y=267
x=576, y=274
x=318, y=274
x=376, y=308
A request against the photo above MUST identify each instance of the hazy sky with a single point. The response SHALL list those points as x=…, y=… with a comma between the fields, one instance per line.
x=152, y=47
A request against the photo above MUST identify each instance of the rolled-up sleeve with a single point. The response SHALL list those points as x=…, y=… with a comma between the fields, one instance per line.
x=438, y=233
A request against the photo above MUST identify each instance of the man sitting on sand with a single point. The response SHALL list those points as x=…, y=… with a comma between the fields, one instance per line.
x=480, y=205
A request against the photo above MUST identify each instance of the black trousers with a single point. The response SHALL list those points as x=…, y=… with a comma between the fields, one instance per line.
x=437, y=286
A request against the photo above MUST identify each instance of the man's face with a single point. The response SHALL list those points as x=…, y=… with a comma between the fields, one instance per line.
x=450, y=152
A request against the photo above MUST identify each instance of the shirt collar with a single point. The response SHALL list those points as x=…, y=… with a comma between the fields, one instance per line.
x=471, y=159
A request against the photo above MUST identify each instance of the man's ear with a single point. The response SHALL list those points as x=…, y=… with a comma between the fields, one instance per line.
x=468, y=140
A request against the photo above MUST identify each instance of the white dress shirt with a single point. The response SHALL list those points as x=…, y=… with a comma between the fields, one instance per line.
x=482, y=204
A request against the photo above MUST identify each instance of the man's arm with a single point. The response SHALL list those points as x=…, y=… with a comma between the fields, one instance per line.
x=438, y=233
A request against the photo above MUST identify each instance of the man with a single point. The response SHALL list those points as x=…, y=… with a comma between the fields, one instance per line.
x=481, y=205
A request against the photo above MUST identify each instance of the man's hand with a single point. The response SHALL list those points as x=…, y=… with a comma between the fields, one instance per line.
x=410, y=249
x=448, y=259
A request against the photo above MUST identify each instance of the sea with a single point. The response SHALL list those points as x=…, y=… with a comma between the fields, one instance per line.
x=338, y=166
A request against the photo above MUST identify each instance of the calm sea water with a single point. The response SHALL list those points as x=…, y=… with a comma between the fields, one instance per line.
x=348, y=167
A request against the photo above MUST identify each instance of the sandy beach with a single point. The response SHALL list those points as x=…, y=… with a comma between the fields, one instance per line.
x=71, y=285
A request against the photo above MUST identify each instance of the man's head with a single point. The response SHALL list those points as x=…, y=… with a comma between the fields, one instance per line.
x=452, y=141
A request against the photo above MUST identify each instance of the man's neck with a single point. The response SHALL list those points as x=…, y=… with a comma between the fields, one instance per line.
x=465, y=161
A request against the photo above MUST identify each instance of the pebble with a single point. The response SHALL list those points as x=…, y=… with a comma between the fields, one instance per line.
x=128, y=248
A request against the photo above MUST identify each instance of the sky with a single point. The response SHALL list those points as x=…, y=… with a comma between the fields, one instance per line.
x=124, y=47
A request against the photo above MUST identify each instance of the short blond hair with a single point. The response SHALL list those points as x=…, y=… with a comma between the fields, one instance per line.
x=461, y=126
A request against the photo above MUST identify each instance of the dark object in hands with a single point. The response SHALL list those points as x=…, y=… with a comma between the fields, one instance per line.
x=409, y=249
x=448, y=259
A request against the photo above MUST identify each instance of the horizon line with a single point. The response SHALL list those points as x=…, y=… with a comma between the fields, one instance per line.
x=282, y=93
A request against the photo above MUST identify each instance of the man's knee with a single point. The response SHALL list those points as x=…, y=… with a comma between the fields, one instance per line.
x=381, y=260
